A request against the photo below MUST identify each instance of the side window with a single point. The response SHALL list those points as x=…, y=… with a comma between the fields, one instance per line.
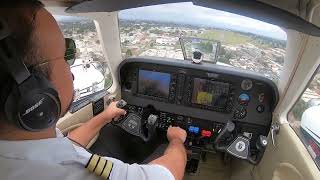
x=90, y=70
x=304, y=117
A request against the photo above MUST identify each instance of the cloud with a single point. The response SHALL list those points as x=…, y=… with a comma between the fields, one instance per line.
x=188, y=13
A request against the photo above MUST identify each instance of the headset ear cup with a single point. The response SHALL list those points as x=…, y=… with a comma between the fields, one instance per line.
x=33, y=105
x=38, y=110
x=49, y=89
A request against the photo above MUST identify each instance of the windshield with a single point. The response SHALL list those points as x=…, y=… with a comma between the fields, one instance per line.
x=225, y=38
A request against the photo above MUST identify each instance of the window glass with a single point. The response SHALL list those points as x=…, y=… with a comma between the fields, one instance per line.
x=221, y=37
x=90, y=70
x=304, y=118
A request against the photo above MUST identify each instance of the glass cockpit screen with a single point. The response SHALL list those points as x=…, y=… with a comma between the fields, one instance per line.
x=210, y=93
x=153, y=83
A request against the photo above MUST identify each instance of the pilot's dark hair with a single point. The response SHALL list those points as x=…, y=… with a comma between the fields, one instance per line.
x=20, y=17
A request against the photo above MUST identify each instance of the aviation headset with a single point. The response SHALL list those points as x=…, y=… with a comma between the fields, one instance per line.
x=29, y=101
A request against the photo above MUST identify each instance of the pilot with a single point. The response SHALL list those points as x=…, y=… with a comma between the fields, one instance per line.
x=26, y=153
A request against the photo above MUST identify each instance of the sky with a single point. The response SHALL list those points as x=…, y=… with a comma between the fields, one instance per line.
x=187, y=13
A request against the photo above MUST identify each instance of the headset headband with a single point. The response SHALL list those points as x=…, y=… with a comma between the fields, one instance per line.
x=16, y=67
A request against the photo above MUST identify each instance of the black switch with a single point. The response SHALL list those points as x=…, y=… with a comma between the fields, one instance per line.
x=260, y=109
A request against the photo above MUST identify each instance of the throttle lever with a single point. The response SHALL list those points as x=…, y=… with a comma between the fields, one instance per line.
x=151, y=127
x=224, y=133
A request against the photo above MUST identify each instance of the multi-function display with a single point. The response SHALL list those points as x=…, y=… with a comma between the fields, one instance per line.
x=210, y=93
x=152, y=83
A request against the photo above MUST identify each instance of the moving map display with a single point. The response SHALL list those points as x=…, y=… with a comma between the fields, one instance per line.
x=210, y=93
x=153, y=83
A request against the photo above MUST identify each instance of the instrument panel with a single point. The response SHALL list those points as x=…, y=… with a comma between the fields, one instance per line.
x=204, y=91
x=201, y=98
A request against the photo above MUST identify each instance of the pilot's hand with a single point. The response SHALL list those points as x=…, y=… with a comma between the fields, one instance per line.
x=112, y=112
x=176, y=133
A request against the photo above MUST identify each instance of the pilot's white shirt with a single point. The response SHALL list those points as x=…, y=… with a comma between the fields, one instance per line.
x=58, y=158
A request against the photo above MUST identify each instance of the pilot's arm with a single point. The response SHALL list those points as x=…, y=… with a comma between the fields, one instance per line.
x=168, y=167
x=175, y=156
x=85, y=133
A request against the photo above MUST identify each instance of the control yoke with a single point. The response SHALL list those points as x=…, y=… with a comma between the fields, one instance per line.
x=135, y=125
x=240, y=145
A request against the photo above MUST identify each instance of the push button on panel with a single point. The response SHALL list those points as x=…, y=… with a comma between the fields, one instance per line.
x=205, y=133
x=260, y=109
x=193, y=129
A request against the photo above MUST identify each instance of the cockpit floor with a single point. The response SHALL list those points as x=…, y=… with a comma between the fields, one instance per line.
x=213, y=168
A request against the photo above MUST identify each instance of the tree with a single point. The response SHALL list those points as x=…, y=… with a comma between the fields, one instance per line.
x=126, y=42
x=224, y=60
x=145, y=28
x=222, y=51
x=78, y=53
x=298, y=109
x=129, y=53
x=225, y=56
x=94, y=56
x=206, y=47
x=156, y=31
x=228, y=55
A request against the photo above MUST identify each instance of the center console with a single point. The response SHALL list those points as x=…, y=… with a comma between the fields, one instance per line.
x=202, y=99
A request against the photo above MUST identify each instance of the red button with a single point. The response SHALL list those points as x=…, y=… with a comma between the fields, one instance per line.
x=205, y=133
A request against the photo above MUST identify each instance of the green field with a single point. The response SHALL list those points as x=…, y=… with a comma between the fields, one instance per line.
x=225, y=37
x=234, y=38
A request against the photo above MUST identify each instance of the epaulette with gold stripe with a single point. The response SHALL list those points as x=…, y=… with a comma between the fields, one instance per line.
x=100, y=166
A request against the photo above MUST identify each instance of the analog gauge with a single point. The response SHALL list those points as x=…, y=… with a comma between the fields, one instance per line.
x=246, y=85
x=243, y=99
x=261, y=97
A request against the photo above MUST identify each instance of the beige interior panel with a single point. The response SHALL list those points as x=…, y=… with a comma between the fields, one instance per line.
x=286, y=171
x=72, y=121
x=241, y=170
x=80, y=116
x=288, y=152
